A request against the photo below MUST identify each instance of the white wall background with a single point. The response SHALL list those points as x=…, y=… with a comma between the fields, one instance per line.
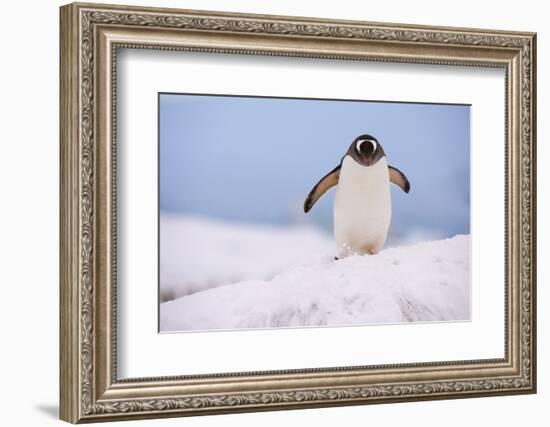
x=29, y=170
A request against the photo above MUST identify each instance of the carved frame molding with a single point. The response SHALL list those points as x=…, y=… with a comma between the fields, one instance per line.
x=90, y=37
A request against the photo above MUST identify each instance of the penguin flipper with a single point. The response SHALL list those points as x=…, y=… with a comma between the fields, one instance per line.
x=326, y=183
x=398, y=178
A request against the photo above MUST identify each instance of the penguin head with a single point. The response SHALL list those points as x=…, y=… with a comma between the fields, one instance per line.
x=366, y=150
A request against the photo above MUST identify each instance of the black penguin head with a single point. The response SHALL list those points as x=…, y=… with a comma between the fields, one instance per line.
x=366, y=150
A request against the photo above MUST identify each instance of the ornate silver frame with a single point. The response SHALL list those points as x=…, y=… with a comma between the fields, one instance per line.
x=90, y=36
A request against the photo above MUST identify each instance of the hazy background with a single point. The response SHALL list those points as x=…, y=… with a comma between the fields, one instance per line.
x=254, y=160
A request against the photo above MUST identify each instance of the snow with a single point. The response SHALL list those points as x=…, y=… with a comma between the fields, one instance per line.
x=241, y=276
x=198, y=253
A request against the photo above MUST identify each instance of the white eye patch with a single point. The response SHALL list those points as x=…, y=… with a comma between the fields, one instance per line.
x=374, y=144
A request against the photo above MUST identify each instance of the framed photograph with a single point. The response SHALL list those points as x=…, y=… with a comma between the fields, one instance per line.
x=267, y=212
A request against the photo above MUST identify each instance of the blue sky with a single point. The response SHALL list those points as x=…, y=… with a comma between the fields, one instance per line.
x=255, y=159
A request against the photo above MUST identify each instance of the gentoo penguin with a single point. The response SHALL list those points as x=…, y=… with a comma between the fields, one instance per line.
x=362, y=204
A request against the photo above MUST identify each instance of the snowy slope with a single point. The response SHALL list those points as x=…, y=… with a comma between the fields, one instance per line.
x=428, y=281
x=201, y=253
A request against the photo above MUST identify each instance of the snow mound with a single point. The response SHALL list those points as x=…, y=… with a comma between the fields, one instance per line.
x=429, y=281
x=203, y=253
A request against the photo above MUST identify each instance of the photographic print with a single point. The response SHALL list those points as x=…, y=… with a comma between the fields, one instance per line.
x=294, y=212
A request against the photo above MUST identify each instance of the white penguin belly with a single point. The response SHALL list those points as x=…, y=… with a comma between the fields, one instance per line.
x=362, y=207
